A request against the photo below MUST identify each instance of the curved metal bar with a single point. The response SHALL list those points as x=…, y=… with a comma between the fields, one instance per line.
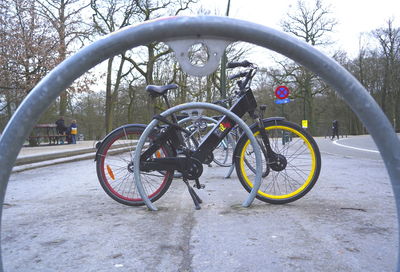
x=165, y=29
x=197, y=105
x=230, y=170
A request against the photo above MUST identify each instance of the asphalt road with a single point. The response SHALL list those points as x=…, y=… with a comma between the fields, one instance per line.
x=58, y=218
x=362, y=147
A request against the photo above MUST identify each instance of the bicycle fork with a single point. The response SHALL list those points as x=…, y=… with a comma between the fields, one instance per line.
x=274, y=161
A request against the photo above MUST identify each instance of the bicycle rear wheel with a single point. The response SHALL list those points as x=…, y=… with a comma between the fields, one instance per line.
x=115, y=167
x=292, y=179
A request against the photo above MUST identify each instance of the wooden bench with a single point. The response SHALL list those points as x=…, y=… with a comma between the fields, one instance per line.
x=45, y=132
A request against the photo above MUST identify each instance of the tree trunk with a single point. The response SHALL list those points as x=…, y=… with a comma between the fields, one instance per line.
x=62, y=51
x=108, y=117
x=131, y=106
x=149, y=78
x=209, y=91
x=396, y=117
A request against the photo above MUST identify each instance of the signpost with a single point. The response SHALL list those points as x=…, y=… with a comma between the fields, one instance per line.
x=282, y=93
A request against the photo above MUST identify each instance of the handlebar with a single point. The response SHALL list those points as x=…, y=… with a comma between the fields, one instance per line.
x=223, y=102
x=248, y=75
x=220, y=102
x=242, y=74
x=244, y=63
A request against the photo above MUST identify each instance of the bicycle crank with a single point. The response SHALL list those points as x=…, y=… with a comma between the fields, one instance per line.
x=194, y=169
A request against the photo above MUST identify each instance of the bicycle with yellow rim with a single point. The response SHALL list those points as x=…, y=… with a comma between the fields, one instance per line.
x=291, y=168
x=291, y=161
x=291, y=158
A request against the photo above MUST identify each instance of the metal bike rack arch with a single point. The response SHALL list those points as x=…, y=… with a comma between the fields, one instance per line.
x=197, y=105
x=184, y=28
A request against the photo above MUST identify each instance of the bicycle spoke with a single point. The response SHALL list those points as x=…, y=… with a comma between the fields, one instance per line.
x=115, y=174
x=296, y=178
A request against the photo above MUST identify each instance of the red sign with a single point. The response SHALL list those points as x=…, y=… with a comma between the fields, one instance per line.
x=282, y=92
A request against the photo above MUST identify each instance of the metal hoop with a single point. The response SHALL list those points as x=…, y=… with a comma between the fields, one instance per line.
x=183, y=28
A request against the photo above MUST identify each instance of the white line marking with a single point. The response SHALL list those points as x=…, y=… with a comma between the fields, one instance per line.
x=356, y=148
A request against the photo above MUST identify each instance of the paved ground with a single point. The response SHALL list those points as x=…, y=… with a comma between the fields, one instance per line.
x=57, y=218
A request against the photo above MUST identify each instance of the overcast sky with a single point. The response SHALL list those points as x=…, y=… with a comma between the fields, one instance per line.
x=353, y=16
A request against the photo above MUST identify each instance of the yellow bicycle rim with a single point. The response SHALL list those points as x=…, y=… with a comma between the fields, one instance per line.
x=300, y=189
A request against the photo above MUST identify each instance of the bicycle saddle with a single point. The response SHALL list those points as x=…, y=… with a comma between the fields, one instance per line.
x=155, y=90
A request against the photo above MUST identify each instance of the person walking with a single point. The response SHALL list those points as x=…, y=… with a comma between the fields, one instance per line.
x=73, y=128
x=335, y=129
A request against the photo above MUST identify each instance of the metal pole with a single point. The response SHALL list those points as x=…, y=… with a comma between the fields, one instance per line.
x=224, y=60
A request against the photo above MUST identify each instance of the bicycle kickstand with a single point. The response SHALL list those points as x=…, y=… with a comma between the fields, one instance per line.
x=196, y=199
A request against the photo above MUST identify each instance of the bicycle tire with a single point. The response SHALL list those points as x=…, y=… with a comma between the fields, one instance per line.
x=302, y=168
x=114, y=168
x=223, y=153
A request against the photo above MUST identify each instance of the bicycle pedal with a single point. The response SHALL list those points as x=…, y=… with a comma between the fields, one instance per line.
x=199, y=186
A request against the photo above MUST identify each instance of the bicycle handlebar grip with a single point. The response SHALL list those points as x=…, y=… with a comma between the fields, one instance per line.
x=234, y=64
x=243, y=74
x=219, y=102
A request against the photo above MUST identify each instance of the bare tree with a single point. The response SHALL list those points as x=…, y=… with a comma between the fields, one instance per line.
x=108, y=17
x=27, y=51
x=389, y=41
x=155, y=51
x=111, y=15
x=65, y=17
x=311, y=23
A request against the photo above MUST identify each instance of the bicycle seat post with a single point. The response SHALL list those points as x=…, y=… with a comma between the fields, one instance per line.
x=173, y=116
x=166, y=100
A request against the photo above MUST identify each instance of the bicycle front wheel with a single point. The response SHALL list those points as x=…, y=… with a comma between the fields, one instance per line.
x=115, y=167
x=298, y=168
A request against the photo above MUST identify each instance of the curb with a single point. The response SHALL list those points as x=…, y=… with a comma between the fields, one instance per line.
x=52, y=156
x=35, y=161
x=43, y=160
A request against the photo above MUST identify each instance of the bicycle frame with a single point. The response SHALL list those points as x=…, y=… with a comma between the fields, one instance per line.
x=245, y=103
